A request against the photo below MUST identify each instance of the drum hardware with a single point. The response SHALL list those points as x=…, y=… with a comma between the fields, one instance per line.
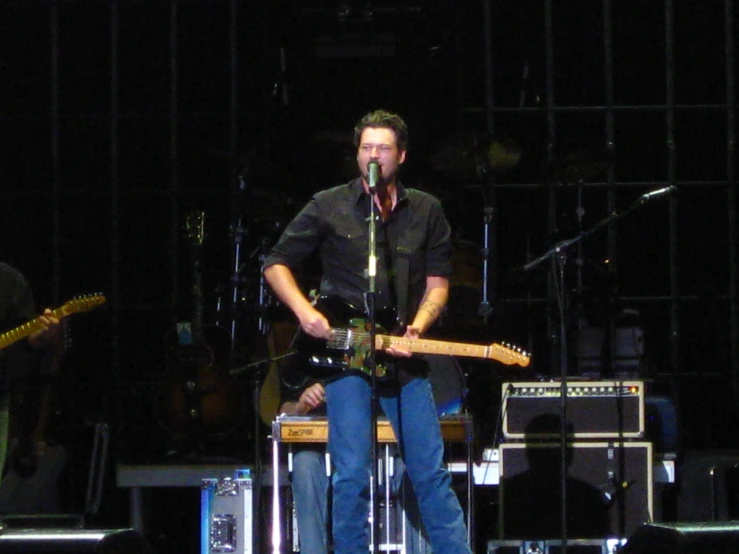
x=242, y=308
x=485, y=309
x=197, y=398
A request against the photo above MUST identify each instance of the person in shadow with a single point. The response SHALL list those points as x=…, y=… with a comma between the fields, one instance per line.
x=531, y=502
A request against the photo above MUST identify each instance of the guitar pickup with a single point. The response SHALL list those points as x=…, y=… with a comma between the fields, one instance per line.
x=327, y=361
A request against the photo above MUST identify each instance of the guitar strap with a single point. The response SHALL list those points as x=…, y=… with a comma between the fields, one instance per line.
x=402, y=263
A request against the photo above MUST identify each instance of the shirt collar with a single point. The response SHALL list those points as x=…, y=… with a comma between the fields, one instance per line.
x=359, y=194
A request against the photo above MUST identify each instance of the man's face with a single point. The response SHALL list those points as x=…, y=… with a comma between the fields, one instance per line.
x=380, y=144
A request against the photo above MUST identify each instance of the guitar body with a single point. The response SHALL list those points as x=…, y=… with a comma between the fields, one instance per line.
x=321, y=359
x=31, y=487
x=35, y=460
x=197, y=395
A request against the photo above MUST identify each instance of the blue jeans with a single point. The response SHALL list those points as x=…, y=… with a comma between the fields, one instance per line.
x=310, y=486
x=416, y=538
x=310, y=494
x=413, y=416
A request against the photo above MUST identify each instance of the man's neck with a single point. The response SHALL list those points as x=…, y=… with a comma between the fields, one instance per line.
x=384, y=190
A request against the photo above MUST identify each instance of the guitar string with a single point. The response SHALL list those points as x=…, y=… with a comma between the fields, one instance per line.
x=438, y=345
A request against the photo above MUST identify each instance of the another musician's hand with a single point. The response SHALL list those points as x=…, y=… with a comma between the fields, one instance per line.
x=410, y=333
x=312, y=398
x=50, y=334
x=315, y=324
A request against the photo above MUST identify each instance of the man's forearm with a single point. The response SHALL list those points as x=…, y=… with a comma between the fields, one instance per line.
x=433, y=303
x=283, y=283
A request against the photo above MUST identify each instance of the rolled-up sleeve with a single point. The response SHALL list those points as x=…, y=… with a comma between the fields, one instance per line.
x=439, y=246
x=299, y=240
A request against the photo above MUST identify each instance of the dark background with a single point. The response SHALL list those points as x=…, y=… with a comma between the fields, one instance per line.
x=120, y=117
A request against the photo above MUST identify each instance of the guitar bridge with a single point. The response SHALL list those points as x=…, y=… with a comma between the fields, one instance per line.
x=341, y=339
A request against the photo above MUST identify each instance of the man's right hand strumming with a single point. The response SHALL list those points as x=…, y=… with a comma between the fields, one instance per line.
x=282, y=281
x=315, y=323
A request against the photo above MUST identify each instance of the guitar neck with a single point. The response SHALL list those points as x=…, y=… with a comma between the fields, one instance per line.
x=425, y=346
x=33, y=326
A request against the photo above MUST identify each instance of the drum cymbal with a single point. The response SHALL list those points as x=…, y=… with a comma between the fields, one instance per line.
x=466, y=264
x=503, y=153
x=476, y=154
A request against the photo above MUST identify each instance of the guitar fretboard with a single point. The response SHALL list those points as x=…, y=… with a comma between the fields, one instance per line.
x=33, y=326
x=74, y=306
x=425, y=346
x=344, y=338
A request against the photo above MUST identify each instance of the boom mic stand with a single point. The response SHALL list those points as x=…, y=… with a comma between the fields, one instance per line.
x=558, y=256
x=485, y=308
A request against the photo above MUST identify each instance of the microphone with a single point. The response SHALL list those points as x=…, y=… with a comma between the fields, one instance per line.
x=657, y=193
x=373, y=170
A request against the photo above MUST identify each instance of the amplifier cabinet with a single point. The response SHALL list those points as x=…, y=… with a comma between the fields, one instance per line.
x=609, y=489
x=595, y=410
x=226, y=516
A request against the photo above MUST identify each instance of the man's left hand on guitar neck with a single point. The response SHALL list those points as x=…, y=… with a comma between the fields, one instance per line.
x=434, y=300
x=410, y=333
x=50, y=336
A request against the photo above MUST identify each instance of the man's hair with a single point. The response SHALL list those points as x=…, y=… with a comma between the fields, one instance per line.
x=380, y=119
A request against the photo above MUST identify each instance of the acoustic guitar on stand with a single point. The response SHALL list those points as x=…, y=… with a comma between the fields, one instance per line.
x=198, y=399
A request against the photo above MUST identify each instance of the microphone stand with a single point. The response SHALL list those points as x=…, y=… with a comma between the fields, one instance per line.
x=558, y=254
x=485, y=309
x=370, y=297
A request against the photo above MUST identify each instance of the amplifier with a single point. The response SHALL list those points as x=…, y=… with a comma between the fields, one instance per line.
x=609, y=489
x=595, y=409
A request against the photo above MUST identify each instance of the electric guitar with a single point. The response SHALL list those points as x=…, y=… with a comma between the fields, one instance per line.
x=34, y=462
x=349, y=347
x=76, y=305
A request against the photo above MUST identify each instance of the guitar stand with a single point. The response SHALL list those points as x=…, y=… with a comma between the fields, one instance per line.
x=98, y=463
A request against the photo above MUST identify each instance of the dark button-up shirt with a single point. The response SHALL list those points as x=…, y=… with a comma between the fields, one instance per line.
x=16, y=308
x=334, y=223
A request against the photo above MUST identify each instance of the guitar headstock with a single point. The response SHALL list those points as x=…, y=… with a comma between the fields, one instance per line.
x=195, y=227
x=509, y=355
x=82, y=304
